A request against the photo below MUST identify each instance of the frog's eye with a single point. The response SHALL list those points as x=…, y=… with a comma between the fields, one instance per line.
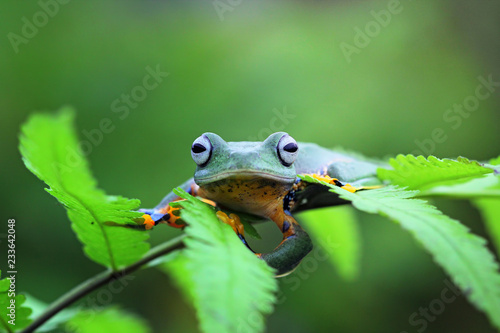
x=287, y=150
x=201, y=150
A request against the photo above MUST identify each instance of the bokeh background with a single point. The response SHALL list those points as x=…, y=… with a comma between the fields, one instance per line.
x=251, y=69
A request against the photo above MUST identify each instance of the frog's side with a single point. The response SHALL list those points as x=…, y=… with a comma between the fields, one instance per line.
x=260, y=178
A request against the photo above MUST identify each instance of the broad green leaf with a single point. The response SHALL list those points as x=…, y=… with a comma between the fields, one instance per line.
x=111, y=320
x=12, y=321
x=177, y=268
x=421, y=173
x=485, y=186
x=433, y=177
x=231, y=288
x=335, y=231
x=50, y=149
x=464, y=256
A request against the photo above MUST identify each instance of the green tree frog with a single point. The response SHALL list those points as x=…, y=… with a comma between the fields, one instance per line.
x=260, y=179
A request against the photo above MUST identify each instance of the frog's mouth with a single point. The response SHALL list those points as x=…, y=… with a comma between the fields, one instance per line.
x=244, y=175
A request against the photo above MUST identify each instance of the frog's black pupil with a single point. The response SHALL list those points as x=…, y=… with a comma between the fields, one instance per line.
x=198, y=148
x=291, y=147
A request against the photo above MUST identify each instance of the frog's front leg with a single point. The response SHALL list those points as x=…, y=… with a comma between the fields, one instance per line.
x=295, y=245
x=164, y=213
x=287, y=255
x=234, y=222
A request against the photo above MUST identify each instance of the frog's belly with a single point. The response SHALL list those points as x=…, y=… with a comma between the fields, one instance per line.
x=257, y=196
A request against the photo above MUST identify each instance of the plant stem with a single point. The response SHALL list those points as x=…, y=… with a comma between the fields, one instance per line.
x=101, y=279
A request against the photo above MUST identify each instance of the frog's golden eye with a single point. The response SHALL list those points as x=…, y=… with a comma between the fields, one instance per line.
x=288, y=150
x=201, y=150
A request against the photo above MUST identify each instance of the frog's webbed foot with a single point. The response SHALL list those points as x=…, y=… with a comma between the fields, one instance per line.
x=168, y=214
x=234, y=222
x=312, y=195
x=357, y=186
x=335, y=181
x=167, y=211
x=287, y=255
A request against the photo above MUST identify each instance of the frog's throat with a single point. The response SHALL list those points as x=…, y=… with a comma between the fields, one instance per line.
x=244, y=174
x=248, y=194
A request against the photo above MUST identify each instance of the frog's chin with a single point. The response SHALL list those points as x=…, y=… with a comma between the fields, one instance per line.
x=244, y=175
x=250, y=192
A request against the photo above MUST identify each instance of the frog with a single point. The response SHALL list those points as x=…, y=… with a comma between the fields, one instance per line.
x=261, y=179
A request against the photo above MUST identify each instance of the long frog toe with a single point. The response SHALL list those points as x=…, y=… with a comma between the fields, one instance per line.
x=148, y=221
x=232, y=220
x=171, y=216
x=334, y=181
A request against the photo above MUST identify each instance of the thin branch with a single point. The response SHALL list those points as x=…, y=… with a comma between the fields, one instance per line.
x=101, y=279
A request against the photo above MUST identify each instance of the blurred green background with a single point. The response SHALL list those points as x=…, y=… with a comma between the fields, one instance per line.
x=255, y=68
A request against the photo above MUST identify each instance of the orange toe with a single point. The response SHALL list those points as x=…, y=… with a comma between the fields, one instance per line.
x=148, y=221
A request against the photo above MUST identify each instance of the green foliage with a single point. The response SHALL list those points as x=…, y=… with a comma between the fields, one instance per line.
x=111, y=320
x=486, y=186
x=490, y=211
x=421, y=173
x=22, y=312
x=38, y=307
x=247, y=63
x=49, y=146
x=434, y=177
x=495, y=161
x=230, y=287
x=335, y=230
x=458, y=179
x=247, y=220
x=463, y=255
x=176, y=266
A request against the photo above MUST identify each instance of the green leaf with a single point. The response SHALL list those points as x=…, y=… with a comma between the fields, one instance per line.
x=486, y=186
x=111, y=320
x=490, y=211
x=461, y=179
x=230, y=287
x=421, y=173
x=495, y=161
x=50, y=149
x=464, y=256
x=177, y=268
x=21, y=312
x=247, y=220
x=495, y=165
x=335, y=230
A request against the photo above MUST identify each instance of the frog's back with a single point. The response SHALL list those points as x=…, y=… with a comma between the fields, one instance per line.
x=316, y=159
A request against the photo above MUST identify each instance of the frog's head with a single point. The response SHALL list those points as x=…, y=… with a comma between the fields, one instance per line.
x=271, y=159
